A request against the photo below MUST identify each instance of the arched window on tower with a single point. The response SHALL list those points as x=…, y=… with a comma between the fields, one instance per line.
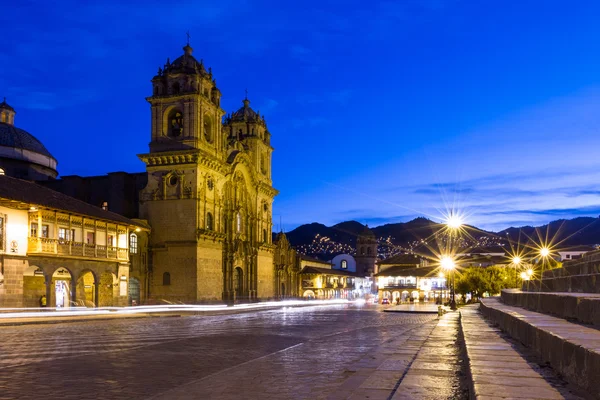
x=175, y=88
x=175, y=123
x=209, y=222
x=238, y=222
x=362, y=251
x=368, y=251
x=166, y=279
x=344, y=264
x=265, y=236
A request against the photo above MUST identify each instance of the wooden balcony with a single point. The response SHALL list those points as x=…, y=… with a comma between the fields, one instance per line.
x=59, y=247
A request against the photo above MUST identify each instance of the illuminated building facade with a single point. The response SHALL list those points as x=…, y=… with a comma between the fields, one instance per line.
x=408, y=277
x=60, y=252
x=209, y=192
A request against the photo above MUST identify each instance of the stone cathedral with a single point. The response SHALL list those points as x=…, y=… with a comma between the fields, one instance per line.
x=209, y=192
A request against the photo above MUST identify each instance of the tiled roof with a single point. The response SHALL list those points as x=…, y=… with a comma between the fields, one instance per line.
x=37, y=195
x=326, y=271
x=403, y=271
x=11, y=136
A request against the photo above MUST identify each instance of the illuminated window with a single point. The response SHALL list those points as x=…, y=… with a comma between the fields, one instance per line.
x=1, y=171
x=110, y=240
x=34, y=230
x=166, y=279
x=133, y=243
x=66, y=234
x=209, y=222
x=344, y=264
x=105, y=205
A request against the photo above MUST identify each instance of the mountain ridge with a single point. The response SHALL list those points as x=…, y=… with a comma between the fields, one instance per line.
x=323, y=241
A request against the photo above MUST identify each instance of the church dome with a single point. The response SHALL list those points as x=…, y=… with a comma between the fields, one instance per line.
x=185, y=64
x=21, y=154
x=245, y=114
x=18, y=138
x=367, y=233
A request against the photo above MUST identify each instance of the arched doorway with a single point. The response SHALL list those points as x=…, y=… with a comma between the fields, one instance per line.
x=282, y=290
x=134, y=291
x=34, y=287
x=309, y=294
x=86, y=289
x=108, y=289
x=238, y=282
x=61, y=288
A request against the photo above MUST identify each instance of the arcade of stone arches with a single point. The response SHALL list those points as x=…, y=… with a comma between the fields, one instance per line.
x=59, y=287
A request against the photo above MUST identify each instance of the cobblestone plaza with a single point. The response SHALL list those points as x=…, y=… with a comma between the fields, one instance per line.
x=299, y=353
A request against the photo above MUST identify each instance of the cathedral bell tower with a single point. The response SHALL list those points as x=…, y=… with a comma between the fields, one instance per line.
x=185, y=103
x=248, y=128
x=366, y=252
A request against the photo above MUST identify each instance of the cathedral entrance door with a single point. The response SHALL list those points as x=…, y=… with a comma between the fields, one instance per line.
x=238, y=282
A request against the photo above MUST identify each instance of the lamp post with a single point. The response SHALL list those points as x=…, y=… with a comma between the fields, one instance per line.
x=448, y=264
x=544, y=252
x=516, y=262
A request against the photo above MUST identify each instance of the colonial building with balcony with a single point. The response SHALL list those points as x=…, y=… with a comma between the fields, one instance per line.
x=66, y=251
x=409, y=277
x=320, y=281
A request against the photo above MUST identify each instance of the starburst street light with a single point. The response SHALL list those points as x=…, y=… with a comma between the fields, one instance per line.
x=447, y=263
x=454, y=221
x=544, y=252
x=516, y=261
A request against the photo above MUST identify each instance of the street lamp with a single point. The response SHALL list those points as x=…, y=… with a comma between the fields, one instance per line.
x=447, y=263
x=544, y=252
x=516, y=262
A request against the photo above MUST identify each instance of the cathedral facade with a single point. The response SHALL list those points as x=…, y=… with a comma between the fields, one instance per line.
x=209, y=192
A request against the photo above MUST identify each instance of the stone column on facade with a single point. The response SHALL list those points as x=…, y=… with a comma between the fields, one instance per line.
x=96, y=291
x=48, y=283
x=73, y=287
x=68, y=235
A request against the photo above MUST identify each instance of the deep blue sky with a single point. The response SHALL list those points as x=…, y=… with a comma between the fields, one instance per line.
x=379, y=111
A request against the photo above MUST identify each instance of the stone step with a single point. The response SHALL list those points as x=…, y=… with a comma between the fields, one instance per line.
x=571, y=349
x=583, y=308
x=497, y=369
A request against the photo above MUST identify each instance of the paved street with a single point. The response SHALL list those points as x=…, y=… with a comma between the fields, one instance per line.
x=293, y=353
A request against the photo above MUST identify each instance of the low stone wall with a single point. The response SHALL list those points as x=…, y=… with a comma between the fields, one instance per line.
x=579, y=365
x=582, y=309
x=571, y=284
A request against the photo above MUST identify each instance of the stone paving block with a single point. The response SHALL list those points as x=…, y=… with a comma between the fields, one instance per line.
x=517, y=392
x=371, y=394
x=382, y=380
